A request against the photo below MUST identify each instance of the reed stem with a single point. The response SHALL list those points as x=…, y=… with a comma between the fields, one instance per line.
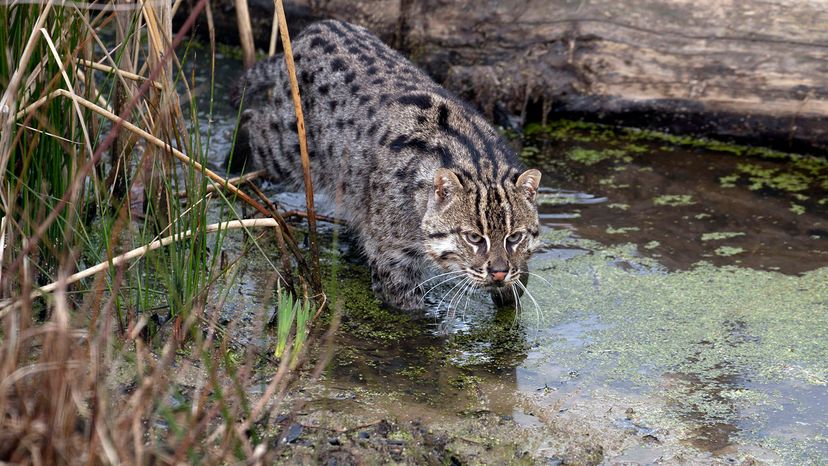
x=303, y=142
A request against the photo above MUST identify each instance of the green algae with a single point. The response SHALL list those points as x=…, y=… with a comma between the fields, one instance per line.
x=728, y=181
x=691, y=336
x=591, y=156
x=362, y=313
x=797, y=208
x=621, y=231
x=610, y=183
x=586, y=156
x=719, y=235
x=619, y=206
x=727, y=251
x=674, y=200
x=808, y=169
x=761, y=177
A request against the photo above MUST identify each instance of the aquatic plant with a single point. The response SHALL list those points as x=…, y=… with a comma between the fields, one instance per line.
x=290, y=311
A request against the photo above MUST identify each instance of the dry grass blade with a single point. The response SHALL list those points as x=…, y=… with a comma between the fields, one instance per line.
x=112, y=69
x=2, y=245
x=274, y=33
x=70, y=87
x=141, y=251
x=245, y=33
x=8, y=103
x=303, y=142
x=235, y=181
x=218, y=179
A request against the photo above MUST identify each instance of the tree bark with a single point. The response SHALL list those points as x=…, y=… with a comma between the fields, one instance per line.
x=746, y=70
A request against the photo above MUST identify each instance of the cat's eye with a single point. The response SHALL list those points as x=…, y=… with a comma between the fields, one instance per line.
x=514, y=238
x=474, y=238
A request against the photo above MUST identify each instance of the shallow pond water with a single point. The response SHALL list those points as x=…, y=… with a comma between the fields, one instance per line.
x=679, y=313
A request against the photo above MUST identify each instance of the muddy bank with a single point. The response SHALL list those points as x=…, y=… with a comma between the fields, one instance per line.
x=748, y=71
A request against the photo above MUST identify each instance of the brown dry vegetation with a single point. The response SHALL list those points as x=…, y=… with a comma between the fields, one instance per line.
x=102, y=162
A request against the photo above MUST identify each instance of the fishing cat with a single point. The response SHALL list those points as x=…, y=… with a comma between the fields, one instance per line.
x=421, y=177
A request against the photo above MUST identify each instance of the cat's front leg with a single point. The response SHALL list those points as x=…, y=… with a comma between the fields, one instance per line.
x=396, y=283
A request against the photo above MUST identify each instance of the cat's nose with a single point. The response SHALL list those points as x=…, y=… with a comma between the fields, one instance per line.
x=498, y=275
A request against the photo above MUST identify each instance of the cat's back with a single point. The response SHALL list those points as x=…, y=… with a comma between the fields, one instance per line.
x=370, y=114
x=335, y=57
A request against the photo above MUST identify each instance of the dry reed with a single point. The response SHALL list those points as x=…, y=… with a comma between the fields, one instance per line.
x=85, y=374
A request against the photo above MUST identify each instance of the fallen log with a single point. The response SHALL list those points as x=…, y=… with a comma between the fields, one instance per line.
x=749, y=71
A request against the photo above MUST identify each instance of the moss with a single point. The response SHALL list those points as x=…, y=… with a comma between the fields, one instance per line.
x=413, y=372
x=691, y=338
x=629, y=141
x=674, y=200
x=727, y=251
x=363, y=315
x=620, y=231
x=719, y=235
x=619, y=206
x=586, y=156
x=797, y=209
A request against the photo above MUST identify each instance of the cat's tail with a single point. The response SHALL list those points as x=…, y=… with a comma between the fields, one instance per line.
x=255, y=82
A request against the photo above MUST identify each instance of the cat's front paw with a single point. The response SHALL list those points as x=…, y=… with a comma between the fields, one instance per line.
x=397, y=289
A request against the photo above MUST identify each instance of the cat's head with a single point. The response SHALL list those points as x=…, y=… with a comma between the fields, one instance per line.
x=487, y=231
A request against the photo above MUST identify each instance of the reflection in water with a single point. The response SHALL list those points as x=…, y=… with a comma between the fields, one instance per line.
x=695, y=393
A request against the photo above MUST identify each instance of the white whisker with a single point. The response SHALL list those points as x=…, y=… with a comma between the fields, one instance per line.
x=449, y=292
x=453, y=272
x=537, y=307
x=459, y=295
x=435, y=286
x=469, y=290
x=539, y=277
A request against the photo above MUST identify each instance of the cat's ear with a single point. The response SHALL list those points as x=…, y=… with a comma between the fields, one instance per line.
x=528, y=183
x=446, y=183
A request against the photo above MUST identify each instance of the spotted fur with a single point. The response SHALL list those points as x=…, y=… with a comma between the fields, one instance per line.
x=422, y=178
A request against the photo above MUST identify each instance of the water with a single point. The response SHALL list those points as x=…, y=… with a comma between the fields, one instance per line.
x=680, y=313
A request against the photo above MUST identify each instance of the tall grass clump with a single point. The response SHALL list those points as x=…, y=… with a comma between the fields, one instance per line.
x=111, y=232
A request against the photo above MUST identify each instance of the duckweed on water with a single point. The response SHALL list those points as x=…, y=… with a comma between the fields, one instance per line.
x=621, y=231
x=800, y=171
x=690, y=335
x=363, y=316
x=727, y=251
x=674, y=200
x=619, y=206
x=764, y=177
x=718, y=235
x=586, y=156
